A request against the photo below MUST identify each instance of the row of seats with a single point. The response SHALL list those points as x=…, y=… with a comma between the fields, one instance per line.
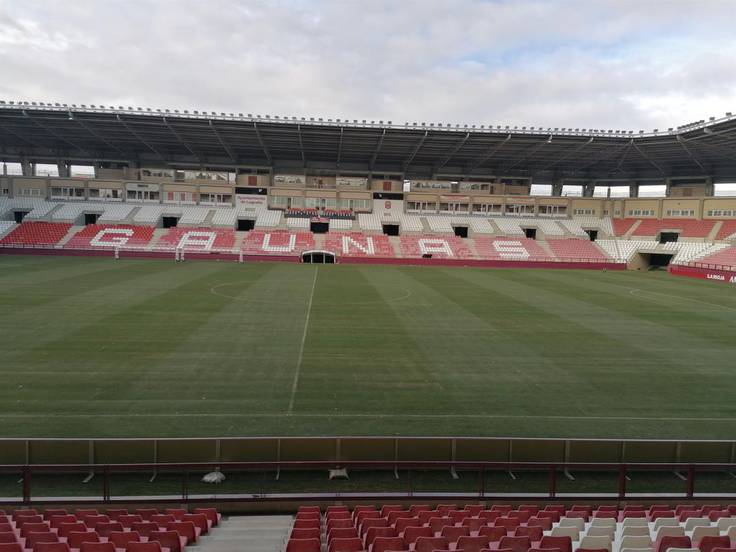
x=475, y=528
x=143, y=530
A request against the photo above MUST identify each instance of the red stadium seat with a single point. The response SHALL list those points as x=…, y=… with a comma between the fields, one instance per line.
x=121, y=538
x=710, y=543
x=51, y=547
x=378, y=532
x=169, y=539
x=200, y=521
x=186, y=529
x=51, y=512
x=495, y=534
x=305, y=533
x=37, y=537
x=152, y=546
x=517, y=544
x=672, y=542
x=412, y=534
x=7, y=537
x=534, y=533
x=11, y=547
x=453, y=533
x=76, y=538
x=127, y=520
x=472, y=544
x=430, y=544
x=563, y=543
x=386, y=544
x=146, y=513
x=145, y=528
x=303, y=545
x=115, y=513
x=342, y=533
x=178, y=513
x=66, y=528
x=345, y=545
x=212, y=515
x=97, y=547
x=105, y=528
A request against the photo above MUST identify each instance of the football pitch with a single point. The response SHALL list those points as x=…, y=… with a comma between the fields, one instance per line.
x=93, y=347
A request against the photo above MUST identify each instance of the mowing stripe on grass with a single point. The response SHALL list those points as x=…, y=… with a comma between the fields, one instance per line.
x=295, y=383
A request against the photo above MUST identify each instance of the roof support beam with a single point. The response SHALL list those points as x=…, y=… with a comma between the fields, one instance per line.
x=377, y=150
x=55, y=134
x=605, y=154
x=450, y=155
x=414, y=152
x=181, y=140
x=339, y=148
x=263, y=144
x=649, y=159
x=488, y=154
x=531, y=151
x=140, y=138
x=301, y=145
x=691, y=154
x=222, y=142
x=26, y=140
x=566, y=155
x=97, y=135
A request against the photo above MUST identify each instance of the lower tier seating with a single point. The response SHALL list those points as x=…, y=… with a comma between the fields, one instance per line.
x=445, y=247
x=111, y=236
x=525, y=528
x=355, y=244
x=204, y=239
x=725, y=257
x=277, y=243
x=577, y=249
x=36, y=234
x=515, y=249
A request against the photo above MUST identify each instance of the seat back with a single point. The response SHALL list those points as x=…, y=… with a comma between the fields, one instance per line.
x=97, y=547
x=702, y=532
x=564, y=543
x=121, y=538
x=105, y=528
x=472, y=544
x=494, y=534
x=184, y=528
x=709, y=543
x=128, y=520
x=412, y=534
x=303, y=545
x=55, y=520
x=313, y=533
x=383, y=544
x=534, y=533
x=76, y=538
x=11, y=547
x=669, y=541
x=576, y=522
x=144, y=528
x=517, y=544
x=375, y=532
x=168, y=539
x=669, y=532
x=353, y=544
x=200, y=521
x=28, y=528
x=179, y=513
x=430, y=544
x=638, y=541
x=51, y=547
x=152, y=546
x=571, y=532
x=146, y=513
x=8, y=537
x=214, y=517
x=595, y=543
x=453, y=533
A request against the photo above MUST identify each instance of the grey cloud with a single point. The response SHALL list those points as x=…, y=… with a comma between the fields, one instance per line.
x=574, y=63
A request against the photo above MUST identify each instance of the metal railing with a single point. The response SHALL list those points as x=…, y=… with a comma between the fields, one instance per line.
x=482, y=489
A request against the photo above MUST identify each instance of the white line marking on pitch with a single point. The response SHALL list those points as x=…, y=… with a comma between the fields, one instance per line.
x=366, y=415
x=295, y=383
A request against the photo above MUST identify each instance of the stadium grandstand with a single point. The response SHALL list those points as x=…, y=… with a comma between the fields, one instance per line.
x=249, y=332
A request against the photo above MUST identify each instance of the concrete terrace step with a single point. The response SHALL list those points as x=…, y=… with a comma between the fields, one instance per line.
x=248, y=534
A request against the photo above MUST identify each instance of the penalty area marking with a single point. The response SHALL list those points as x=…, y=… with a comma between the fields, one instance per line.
x=295, y=383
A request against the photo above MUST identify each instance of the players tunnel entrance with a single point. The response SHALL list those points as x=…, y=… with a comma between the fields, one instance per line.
x=654, y=261
x=170, y=222
x=460, y=231
x=319, y=227
x=391, y=229
x=318, y=257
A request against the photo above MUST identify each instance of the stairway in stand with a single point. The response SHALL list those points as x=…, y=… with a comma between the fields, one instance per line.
x=248, y=534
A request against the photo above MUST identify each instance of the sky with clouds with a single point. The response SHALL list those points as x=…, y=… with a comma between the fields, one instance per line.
x=621, y=64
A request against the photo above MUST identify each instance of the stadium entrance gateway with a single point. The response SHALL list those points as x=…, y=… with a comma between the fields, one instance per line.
x=318, y=257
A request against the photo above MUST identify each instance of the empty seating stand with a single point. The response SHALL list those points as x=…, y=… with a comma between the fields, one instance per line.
x=525, y=528
x=356, y=244
x=197, y=239
x=277, y=243
x=36, y=234
x=575, y=249
x=109, y=236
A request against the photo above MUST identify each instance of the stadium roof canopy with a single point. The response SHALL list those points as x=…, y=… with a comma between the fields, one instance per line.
x=160, y=138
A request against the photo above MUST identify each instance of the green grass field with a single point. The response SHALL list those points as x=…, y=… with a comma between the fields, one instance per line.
x=97, y=347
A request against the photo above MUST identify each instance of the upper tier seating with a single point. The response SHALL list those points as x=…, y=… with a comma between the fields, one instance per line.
x=148, y=214
x=116, y=212
x=480, y=225
x=277, y=242
x=577, y=249
x=36, y=234
x=624, y=250
x=410, y=223
x=37, y=208
x=111, y=237
x=591, y=222
x=197, y=239
x=337, y=224
x=355, y=244
x=574, y=227
x=727, y=231
x=370, y=222
x=691, y=251
x=511, y=249
x=445, y=247
x=6, y=226
x=440, y=224
x=622, y=226
x=298, y=222
x=268, y=218
x=72, y=210
x=194, y=215
x=688, y=228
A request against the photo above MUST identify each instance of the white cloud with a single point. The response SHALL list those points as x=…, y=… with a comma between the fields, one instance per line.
x=611, y=63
